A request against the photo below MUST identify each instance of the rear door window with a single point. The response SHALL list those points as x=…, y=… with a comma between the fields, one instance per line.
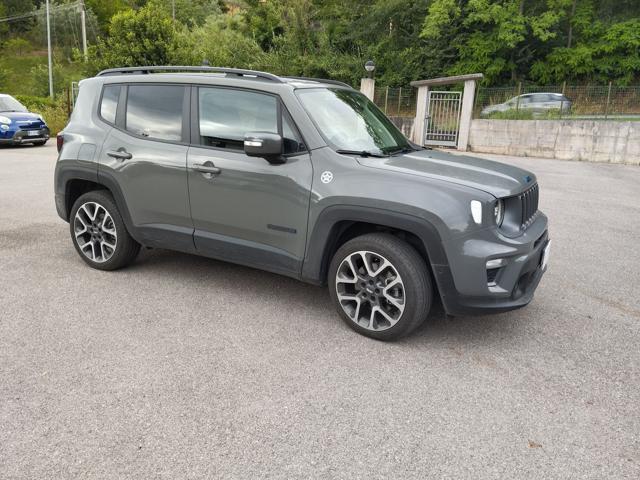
x=155, y=111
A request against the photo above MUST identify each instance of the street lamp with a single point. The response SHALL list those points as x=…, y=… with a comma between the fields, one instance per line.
x=370, y=67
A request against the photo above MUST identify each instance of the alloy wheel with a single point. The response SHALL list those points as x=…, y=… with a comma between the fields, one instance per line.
x=370, y=290
x=95, y=233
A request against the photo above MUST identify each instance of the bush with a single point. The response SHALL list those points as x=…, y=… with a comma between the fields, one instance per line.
x=17, y=46
x=54, y=112
x=511, y=115
x=5, y=73
x=524, y=114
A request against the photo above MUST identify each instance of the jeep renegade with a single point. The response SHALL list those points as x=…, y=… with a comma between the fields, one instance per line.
x=298, y=176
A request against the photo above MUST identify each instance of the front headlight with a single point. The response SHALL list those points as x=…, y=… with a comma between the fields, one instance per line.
x=5, y=120
x=498, y=212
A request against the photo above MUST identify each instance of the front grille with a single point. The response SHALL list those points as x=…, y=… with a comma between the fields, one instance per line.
x=528, y=205
x=31, y=126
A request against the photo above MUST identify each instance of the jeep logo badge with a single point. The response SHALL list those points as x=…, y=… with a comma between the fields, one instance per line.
x=326, y=176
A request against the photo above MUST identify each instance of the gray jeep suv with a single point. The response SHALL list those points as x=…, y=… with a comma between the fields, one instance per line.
x=301, y=177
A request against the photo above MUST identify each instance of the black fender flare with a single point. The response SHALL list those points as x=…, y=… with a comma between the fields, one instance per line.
x=66, y=174
x=319, y=244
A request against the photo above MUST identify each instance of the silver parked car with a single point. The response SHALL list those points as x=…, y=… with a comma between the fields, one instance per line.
x=539, y=103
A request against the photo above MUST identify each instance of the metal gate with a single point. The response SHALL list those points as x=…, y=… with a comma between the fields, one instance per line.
x=443, y=118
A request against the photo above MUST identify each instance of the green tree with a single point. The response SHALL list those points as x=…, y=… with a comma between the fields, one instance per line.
x=143, y=37
x=104, y=11
x=40, y=78
x=189, y=12
x=222, y=41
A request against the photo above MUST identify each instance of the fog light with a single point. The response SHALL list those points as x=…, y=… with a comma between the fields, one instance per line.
x=496, y=263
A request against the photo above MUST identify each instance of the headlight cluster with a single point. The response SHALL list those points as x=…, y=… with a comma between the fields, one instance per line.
x=498, y=211
x=5, y=120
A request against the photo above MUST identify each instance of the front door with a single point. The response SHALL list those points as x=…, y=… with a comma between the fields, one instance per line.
x=245, y=209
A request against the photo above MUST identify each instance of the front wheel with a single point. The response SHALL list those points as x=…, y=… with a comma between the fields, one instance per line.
x=380, y=286
x=99, y=234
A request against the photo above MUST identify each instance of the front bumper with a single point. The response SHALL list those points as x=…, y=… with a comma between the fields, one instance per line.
x=23, y=136
x=465, y=286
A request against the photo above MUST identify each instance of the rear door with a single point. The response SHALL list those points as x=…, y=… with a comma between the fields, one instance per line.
x=250, y=212
x=145, y=157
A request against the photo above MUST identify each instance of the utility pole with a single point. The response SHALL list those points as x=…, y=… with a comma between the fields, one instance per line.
x=173, y=13
x=49, y=52
x=83, y=20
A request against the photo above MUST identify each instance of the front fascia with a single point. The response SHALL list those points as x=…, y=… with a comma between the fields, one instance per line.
x=441, y=207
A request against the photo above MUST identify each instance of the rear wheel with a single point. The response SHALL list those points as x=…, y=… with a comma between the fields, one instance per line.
x=380, y=286
x=99, y=234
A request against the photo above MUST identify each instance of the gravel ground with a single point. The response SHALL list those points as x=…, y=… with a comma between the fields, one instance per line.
x=184, y=367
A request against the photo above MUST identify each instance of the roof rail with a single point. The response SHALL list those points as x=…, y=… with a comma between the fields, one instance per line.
x=173, y=68
x=321, y=80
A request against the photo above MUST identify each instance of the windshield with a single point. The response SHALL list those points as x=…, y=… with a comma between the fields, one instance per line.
x=349, y=121
x=10, y=104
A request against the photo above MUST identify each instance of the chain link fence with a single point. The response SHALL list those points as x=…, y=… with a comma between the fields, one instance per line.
x=605, y=102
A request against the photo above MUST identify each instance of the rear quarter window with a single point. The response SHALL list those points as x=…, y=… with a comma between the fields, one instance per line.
x=109, y=103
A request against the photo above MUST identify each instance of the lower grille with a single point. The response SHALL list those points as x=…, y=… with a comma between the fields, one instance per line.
x=529, y=205
x=492, y=273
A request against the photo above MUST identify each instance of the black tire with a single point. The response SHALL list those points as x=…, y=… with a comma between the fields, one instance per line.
x=126, y=248
x=411, y=267
x=40, y=143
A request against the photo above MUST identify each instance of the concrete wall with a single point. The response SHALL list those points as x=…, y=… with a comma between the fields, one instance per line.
x=589, y=140
x=404, y=124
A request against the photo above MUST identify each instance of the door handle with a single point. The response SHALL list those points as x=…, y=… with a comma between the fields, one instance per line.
x=206, y=167
x=120, y=154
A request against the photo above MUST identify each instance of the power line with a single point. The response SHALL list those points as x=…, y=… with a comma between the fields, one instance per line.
x=22, y=16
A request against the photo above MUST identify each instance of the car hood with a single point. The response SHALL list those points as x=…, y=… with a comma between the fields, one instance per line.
x=18, y=117
x=498, y=179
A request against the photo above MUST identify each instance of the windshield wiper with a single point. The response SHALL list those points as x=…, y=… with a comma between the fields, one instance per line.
x=362, y=153
x=401, y=150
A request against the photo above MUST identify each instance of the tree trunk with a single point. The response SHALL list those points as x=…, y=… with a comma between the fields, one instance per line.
x=570, y=32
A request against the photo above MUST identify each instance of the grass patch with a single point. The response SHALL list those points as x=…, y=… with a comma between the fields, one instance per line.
x=17, y=78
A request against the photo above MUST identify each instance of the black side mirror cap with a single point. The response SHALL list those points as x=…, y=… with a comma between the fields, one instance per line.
x=265, y=145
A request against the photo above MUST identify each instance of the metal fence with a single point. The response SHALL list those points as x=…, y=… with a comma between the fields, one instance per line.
x=578, y=102
x=584, y=102
x=396, y=102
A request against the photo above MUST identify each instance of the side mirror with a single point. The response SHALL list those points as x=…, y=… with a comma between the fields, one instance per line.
x=265, y=145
